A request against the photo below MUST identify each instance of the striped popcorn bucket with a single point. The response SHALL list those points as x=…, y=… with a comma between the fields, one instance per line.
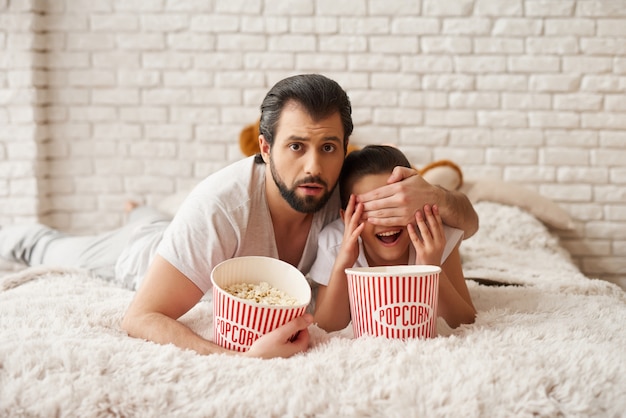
x=237, y=322
x=397, y=302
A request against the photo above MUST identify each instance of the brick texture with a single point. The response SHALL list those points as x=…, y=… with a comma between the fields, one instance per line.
x=100, y=101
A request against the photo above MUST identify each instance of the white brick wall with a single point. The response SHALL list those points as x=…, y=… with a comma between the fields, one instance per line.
x=101, y=100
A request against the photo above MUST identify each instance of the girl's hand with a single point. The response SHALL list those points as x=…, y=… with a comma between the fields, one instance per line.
x=431, y=240
x=349, y=251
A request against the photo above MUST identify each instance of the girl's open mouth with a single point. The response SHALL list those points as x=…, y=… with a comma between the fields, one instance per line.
x=389, y=237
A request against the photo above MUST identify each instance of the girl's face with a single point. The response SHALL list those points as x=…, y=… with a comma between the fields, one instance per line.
x=383, y=245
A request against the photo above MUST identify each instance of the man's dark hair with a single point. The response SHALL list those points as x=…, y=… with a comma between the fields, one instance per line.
x=373, y=159
x=320, y=97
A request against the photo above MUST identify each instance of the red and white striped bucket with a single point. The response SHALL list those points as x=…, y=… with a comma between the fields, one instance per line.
x=397, y=302
x=237, y=323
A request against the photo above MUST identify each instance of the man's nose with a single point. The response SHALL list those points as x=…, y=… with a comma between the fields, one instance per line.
x=313, y=163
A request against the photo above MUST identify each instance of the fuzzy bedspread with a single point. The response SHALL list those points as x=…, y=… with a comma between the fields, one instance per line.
x=554, y=346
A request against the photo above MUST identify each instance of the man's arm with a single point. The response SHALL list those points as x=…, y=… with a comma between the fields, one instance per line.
x=408, y=192
x=457, y=211
x=166, y=294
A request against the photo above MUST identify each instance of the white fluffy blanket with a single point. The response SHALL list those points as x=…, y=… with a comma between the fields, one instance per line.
x=554, y=346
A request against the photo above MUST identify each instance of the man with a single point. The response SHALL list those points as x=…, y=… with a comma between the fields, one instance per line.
x=274, y=206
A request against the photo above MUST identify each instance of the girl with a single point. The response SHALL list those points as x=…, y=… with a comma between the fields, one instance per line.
x=350, y=242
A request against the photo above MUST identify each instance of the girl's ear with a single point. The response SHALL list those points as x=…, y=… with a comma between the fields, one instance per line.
x=341, y=212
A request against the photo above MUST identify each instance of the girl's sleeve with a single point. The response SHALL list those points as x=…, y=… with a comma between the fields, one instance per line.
x=326, y=253
x=453, y=237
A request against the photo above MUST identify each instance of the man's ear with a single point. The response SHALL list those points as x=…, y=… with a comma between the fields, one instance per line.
x=264, y=148
x=341, y=212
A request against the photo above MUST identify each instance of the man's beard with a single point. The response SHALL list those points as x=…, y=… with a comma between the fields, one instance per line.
x=307, y=204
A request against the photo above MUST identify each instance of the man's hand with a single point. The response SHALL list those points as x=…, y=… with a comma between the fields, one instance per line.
x=285, y=341
x=407, y=192
x=396, y=203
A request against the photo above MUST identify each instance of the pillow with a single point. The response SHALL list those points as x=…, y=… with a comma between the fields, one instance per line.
x=512, y=194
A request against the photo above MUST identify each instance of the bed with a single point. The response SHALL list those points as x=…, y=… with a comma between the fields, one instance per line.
x=549, y=343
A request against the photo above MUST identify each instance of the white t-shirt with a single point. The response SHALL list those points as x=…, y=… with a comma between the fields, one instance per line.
x=330, y=242
x=227, y=216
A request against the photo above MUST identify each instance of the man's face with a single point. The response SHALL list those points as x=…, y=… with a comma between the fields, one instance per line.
x=306, y=157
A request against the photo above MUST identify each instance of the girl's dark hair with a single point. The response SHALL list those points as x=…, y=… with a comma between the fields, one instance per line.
x=319, y=95
x=373, y=159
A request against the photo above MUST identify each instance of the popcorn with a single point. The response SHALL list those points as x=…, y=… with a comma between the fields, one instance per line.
x=253, y=295
x=262, y=293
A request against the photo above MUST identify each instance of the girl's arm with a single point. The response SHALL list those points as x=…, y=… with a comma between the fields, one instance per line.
x=455, y=303
x=332, y=308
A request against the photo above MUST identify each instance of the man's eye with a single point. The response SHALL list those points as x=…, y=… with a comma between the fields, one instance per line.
x=295, y=147
x=329, y=148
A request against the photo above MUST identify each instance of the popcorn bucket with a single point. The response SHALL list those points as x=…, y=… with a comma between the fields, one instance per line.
x=238, y=322
x=397, y=302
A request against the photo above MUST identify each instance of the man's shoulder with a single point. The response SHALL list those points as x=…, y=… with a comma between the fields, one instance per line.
x=215, y=185
x=242, y=172
x=240, y=168
x=238, y=184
